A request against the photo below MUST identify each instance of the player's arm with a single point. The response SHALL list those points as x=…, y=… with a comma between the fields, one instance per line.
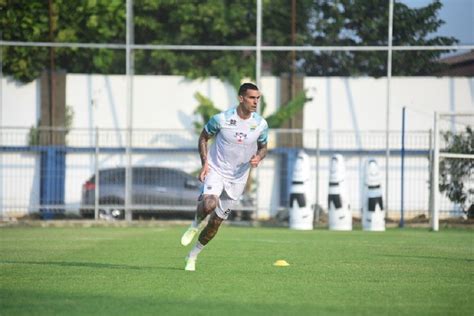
x=261, y=153
x=261, y=147
x=202, y=147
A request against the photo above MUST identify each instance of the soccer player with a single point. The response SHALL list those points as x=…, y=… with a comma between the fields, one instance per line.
x=240, y=143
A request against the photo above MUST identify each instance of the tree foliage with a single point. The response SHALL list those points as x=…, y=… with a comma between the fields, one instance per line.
x=457, y=175
x=205, y=109
x=93, y=21
x=289, y=110
x=365, y=23
x=318, y=22
x=196, y=23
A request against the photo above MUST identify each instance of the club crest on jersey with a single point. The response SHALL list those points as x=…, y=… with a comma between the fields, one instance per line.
x=240, y=136
x=232, y=122
x=253, y=127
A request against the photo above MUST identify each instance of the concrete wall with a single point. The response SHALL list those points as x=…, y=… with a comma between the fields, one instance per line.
x=355, y=104
x=359, y=104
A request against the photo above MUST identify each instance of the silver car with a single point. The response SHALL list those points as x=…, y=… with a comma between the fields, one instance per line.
x=153, y=189
x=156, y=191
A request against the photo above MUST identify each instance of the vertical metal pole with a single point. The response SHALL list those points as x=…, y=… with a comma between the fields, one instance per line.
x=435, y=171
x=402, y=189
x=293, y=53
x=258, y=66
x=318, y=156
x=258, y=74
x=52, y=77
x=129, y=97
x=97, y=177
x=1, y=129
x=292, y=93
x=1, y=89
x=430, y=168
x=389, y=99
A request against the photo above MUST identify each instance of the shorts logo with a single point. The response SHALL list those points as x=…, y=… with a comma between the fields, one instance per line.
x=240, y=137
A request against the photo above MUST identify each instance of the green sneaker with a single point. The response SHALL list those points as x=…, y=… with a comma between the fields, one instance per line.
x=190, y=264
x=188, y=235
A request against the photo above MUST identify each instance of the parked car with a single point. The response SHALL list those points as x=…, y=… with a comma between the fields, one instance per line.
x=155, y=191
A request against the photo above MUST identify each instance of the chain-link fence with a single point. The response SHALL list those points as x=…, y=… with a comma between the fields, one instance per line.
x=60, y=179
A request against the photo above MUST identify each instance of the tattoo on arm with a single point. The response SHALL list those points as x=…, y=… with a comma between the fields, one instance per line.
x=262, y=150
x=202, y=146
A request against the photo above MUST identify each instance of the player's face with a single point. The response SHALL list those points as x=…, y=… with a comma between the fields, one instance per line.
x=250, y=100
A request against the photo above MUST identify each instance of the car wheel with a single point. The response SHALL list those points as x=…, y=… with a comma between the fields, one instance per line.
x=117, y=213
x=111, y=208
x=111, y=213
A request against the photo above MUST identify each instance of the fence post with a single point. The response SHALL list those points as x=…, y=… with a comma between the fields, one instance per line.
x=430, y=168
x=318, y=155
x=129, y=94
x=96, y=172
x=434, y=218
x=402, y=189
x=1, y=130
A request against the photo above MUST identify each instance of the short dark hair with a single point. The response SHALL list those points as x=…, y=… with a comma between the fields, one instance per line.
x=247, y=86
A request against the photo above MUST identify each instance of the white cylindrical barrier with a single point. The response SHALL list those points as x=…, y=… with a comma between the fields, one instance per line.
x=373, y=213
x=301, y=214
x=339, y=210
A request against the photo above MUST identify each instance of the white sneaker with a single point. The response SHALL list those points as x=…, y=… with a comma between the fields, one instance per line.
x=190, y=264
x=188, y=235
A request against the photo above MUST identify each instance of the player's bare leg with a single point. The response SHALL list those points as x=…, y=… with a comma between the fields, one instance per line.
x=213, y=224
x=206, y=205
x=211, y=229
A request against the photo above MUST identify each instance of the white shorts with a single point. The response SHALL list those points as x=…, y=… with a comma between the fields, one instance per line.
x=228, y=192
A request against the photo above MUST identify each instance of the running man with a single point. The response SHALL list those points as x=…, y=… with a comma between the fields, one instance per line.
x=241, y=142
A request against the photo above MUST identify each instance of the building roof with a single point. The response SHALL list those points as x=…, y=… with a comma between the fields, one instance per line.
x=459, y=65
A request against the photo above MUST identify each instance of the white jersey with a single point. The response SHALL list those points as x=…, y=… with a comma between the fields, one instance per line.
x=235, y=143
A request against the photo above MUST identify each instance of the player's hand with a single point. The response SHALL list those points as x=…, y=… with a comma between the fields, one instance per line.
x=255, y=160
x=203, y=173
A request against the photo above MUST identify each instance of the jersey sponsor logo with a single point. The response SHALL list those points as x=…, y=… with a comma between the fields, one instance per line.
x=240, y=136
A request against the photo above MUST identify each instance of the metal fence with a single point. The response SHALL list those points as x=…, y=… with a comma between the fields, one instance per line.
x=51, y=172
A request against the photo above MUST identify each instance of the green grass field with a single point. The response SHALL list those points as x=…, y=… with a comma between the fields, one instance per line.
x=139, y=271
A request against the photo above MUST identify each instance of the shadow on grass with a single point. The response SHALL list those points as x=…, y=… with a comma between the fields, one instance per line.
x=53, y=302
x=89, y=265
x=429, y=257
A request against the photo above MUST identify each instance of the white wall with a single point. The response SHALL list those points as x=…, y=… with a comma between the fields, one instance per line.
x=359, y=104
x=355, y=104
x=159, y=102
x=20, y=104
x=97, y=100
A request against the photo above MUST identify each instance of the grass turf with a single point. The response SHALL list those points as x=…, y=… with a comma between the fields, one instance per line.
x=139, y=271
